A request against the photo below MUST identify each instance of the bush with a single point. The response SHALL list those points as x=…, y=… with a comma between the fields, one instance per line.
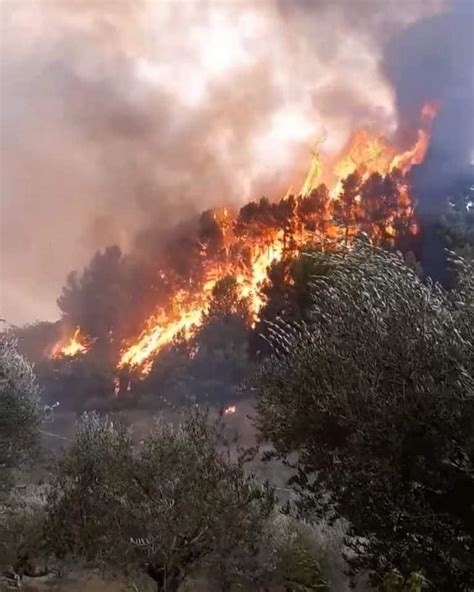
x=376, y=396
x=20, y=412
x=166, y=506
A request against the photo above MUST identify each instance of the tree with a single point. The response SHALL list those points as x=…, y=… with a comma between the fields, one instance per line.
x=456, y=222
x=346, y=207
x=34, y=339
x=283, y=555
x=314, y=211
x=110, y=297
x=395, y=582
x=227, y=303
x=287, y=295
x=20, y=411
x=383, y=215
x=212, y=364
x=376, y=396
x=160, y=507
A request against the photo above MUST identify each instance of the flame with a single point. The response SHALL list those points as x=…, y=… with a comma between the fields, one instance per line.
x=163, y=328
x=364, y=153
x=272, y=232
x=75, y=345
x=313, y=176
x=367, y=155
x=184, y=315
x=230, y=410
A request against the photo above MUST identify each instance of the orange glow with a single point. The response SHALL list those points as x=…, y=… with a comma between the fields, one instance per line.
x=230, y=410
x=162, y=328
x=430, y=110
x=368, y=154
x=364, y=154
x=245, y=244
x=71, y=346
x=184, y=313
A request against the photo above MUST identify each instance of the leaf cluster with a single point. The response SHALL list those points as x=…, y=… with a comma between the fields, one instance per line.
x=375, y=395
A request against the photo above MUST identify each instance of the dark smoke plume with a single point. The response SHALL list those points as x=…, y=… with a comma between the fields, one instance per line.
x=434, y=59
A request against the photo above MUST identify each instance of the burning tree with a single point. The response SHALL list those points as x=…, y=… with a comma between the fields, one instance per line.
x=212, y=363
x=375, y=392
x=133, y=311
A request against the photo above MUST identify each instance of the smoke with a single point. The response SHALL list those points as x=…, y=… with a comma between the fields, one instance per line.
x=128, y=115
x=433, y=59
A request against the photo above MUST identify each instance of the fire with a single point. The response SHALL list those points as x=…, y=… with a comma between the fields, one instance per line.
x=75, y=345
x=365, y=155
x=162, y=328
x=185, y=312
x=366, y=191
x=230, y=410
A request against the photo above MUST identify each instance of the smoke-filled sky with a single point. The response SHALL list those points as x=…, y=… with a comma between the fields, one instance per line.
x=117, y=115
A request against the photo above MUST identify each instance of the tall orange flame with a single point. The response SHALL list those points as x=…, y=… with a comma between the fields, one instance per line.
x=365, y=154
x=75, y=345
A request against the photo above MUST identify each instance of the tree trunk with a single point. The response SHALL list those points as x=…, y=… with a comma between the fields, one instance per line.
x=166, y=581
x=169, y=585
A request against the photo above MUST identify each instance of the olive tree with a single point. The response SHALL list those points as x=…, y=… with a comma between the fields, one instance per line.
x=20, y=411
x=286, y=554
x=163, y=506
x=373, y=397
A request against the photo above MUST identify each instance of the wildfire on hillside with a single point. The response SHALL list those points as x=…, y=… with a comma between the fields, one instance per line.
x=366, y=190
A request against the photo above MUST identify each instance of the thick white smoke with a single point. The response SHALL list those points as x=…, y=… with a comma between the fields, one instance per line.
x=116, y=116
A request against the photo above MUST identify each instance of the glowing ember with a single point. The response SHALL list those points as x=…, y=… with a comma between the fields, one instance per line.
x=73, y=346
x=230, y=410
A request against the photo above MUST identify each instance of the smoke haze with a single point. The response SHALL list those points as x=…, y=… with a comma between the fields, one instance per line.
x=121, y=116
x=434, y=59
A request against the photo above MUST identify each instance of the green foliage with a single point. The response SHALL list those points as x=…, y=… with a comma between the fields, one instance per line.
x=299, y=561
x=456, y=222
x=375, y=394
x=21, y=521
x=20, y=411
x=164, y=507
x=285, y=553
x=287, y=294
x=395, y=582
